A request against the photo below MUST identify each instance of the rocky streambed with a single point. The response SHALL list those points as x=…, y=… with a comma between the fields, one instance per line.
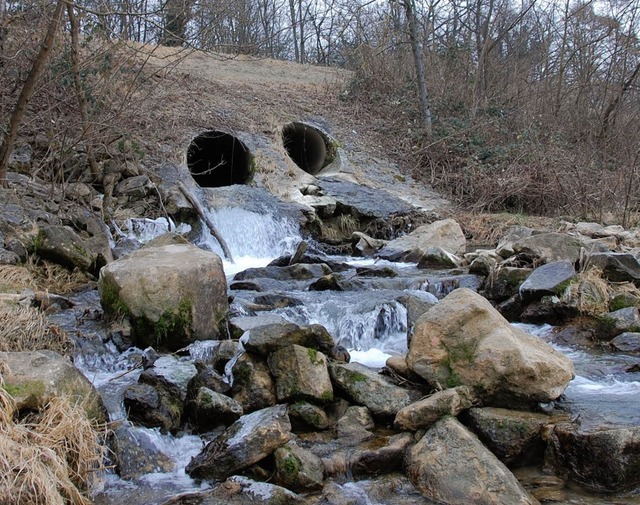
x=332, y=379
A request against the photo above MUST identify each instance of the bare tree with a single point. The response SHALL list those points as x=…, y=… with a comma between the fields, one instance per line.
x=425, y=106
x=27, y=91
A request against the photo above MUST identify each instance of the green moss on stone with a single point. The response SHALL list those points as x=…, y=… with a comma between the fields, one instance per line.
x=110, y=299
x=25, y=389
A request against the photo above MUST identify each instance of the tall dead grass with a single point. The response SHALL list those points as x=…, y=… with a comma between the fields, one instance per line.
x=592, y=294
x=48, y=458
x=27, y=329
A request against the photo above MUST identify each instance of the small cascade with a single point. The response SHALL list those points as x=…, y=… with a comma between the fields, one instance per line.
x=358, y=323
x=253, y=239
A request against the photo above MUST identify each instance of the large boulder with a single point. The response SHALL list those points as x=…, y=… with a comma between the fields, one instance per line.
x=367, y=387
x=172, y=294
x=616, y=267
x=465, y=341
x=445, y=234
x=247, y=441
x=63, y=245
x=604, y=461
x=548, y=247
x=549, y=279
x=451, y=466
x=34, y=378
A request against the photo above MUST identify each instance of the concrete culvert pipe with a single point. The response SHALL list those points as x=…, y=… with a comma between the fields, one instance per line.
x=308, y=147
x=218, y=159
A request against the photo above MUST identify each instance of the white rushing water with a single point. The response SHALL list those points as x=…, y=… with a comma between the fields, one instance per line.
x=253, y=239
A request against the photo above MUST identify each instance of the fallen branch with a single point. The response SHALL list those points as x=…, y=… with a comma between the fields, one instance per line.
x=196, y=205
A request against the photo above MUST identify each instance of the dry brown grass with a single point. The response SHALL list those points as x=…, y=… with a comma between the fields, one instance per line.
x=14, y=279
x=487, y=229
x=49, y=458
x=27, y=329
x=592, y=294
x=55, y=278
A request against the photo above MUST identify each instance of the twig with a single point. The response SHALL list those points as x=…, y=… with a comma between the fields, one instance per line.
x=196, y=205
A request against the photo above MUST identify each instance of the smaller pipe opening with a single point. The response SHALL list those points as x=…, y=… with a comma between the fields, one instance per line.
x=217, y=159
x=308, y=147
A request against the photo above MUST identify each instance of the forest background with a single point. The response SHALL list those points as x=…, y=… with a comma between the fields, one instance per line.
x=520, y=106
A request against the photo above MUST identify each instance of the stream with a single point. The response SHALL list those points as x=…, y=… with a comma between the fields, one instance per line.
x=370, y=322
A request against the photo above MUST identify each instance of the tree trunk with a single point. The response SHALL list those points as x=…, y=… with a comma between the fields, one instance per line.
x=27, y=91
x=82, y=101
x=294, y=25
x=425, y=108
x=3, y=30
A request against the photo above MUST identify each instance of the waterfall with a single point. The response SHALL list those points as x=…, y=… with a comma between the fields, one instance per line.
x=253, y=239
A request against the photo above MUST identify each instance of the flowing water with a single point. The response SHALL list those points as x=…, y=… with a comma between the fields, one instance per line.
x=371, y=324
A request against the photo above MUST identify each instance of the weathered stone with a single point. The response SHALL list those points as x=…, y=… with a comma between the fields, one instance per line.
x=298, y=469
x=247, y=441
x=355, y=424
x=604, y=461
x=549, y=279
x=616, y=267
x=504, y=282
x=329, y=282
x=627, y=342
x=513, y=234
x=300, y=374
x=208, y=377
x=134, y=188
x=269, y=338
x=376, y=271
x=8, y=257
x=305, y=415
x=173, y=294
x=451, y=466
x=34, y=378
x=363, y=200
x=620, y=321
x=210, y=409
x=515, y=437
x=364, y=245
x=445, y=234
x=299, y=271
x=153, y=407
x=238, y=325
x=416, y=305
x=136, y=455
x=464, y=341
x=171, y=373
x=425, y=412
x=548, y=247
x=20, y=159
x=253, y=386
x=277, y=300
x=367, y=387
x=482, y=265
x=380, y=455
x=62, y=245
x=239, y=490
x=392, y=488
x=437, y=257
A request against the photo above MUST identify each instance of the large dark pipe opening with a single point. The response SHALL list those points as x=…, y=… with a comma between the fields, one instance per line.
x=308, y=147
x=218, y=159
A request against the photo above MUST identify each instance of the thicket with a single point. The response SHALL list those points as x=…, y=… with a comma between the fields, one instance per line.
x=533, y=106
